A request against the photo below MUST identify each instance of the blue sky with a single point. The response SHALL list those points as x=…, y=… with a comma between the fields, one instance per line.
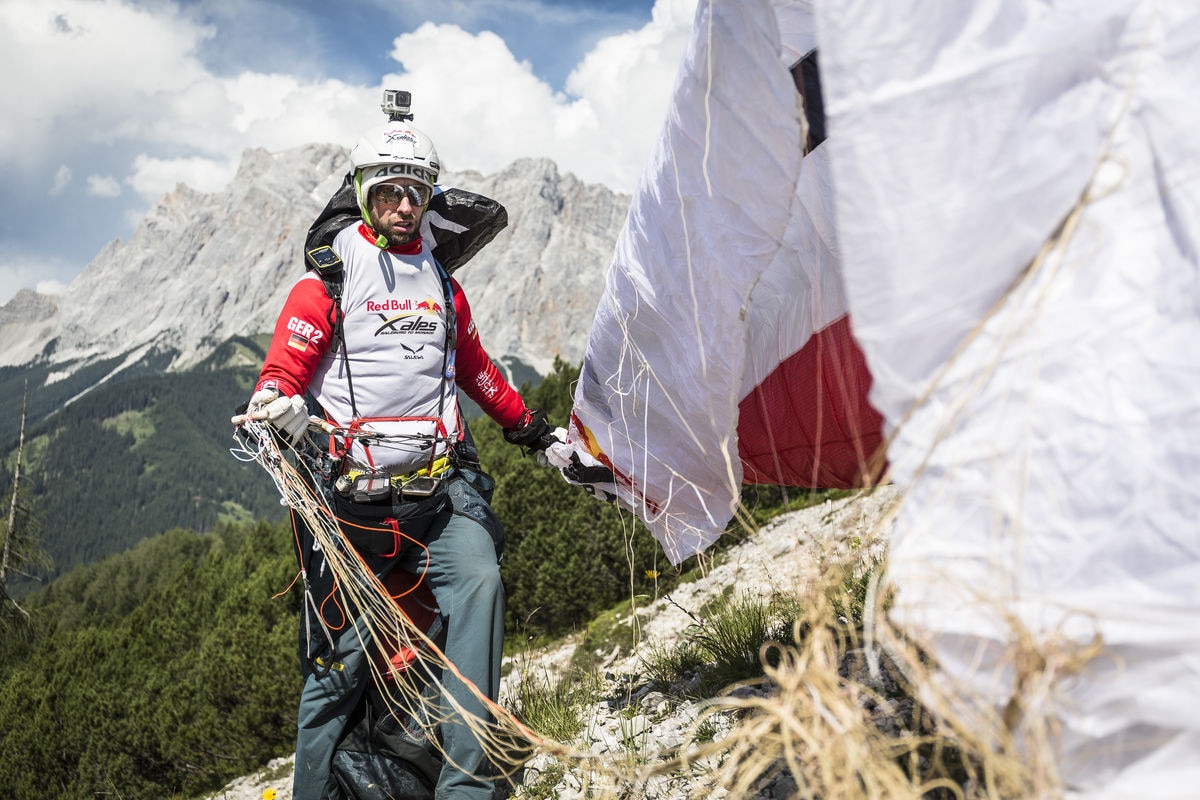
x=107, y=105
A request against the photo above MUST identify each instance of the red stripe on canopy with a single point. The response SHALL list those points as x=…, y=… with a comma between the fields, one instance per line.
x=809, y=422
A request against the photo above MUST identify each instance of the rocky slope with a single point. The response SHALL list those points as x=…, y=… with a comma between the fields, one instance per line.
x=784, y=556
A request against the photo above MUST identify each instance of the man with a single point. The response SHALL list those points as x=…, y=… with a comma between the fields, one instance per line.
x=384, y=349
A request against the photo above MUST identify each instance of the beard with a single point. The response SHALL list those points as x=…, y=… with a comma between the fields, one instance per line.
x=399, y=229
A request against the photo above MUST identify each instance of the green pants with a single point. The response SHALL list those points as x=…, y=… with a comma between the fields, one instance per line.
x=460, y=563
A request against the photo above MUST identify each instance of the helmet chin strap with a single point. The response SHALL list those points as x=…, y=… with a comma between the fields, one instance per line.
x=380, y=239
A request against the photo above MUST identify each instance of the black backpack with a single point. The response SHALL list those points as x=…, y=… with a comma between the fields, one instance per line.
x=480, y=219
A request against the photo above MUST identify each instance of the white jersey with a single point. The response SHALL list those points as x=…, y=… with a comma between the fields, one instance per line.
x=401, y=362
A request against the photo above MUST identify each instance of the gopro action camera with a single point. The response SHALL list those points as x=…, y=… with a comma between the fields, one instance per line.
x=397, y=104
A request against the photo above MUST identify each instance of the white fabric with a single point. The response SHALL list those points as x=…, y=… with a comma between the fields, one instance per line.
x=722, y=270
x=1048, y=422
x=797, y=29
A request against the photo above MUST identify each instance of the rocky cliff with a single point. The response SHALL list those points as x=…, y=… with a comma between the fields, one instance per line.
x=201, y=268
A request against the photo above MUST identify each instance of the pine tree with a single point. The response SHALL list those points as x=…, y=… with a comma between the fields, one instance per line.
x=21, y=553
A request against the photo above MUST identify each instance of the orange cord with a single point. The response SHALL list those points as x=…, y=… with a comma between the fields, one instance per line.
x=332, y=596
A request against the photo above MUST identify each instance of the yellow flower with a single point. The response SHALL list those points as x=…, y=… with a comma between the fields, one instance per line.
x=652, y=573
x=269, y=794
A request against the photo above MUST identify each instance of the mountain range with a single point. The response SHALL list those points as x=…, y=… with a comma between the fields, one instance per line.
x=202, y=268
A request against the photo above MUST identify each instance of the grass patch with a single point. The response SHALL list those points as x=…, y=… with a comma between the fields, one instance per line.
x=723, y=645
x=131, y=423
x=542, y=787
x=554, y=707
x=611, y=635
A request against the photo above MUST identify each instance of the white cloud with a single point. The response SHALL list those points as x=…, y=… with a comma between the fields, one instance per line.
x=50, y=276
x=126, y=75
x=62, y=177
x=483, y=108
x=627, y=79
x=280, y=112
x=103, y=186
x=50, y=287
x=152, y=177
x=112, y=65
x=127, y=79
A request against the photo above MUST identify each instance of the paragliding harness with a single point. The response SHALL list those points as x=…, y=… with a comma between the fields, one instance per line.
x=461, y=223
x=363, y=486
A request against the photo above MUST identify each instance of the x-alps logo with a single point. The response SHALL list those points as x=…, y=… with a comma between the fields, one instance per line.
x=411, y=319
x=400, y=135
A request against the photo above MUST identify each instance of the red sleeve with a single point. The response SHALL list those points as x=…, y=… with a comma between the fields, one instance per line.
x=302, y=335
x=477, y=375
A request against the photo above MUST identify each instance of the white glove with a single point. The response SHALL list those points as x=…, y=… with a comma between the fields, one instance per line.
x=287, y=415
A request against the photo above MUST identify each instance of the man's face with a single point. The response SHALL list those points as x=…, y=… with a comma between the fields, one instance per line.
x=396, y=207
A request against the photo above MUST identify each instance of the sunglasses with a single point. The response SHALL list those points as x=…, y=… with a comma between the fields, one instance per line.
x=391, y=194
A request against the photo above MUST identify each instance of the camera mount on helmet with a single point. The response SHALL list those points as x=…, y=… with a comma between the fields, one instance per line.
x=397, y=104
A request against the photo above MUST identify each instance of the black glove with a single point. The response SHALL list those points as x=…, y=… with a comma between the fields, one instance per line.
x=578, y=472
x=593, y=479
x=533, y=432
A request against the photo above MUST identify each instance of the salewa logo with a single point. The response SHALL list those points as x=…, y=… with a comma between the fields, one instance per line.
x=406, y=325
x=413, y=353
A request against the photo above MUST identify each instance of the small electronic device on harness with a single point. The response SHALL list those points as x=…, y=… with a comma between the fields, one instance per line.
x=375, y=486
x=328, y=266
x=324, y=260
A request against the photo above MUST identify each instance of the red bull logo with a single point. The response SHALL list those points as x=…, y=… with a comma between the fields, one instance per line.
x=389, y=305
x=429, y=305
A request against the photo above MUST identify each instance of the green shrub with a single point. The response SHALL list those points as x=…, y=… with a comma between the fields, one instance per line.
x=724, y=644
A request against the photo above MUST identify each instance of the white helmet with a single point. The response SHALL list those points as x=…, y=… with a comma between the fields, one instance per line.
x=393, y=150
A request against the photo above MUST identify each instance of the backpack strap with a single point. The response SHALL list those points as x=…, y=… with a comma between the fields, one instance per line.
x=451, y=335
x=328, y=266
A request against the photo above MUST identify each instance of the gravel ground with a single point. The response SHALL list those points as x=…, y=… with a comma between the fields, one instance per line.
x=784, y=556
